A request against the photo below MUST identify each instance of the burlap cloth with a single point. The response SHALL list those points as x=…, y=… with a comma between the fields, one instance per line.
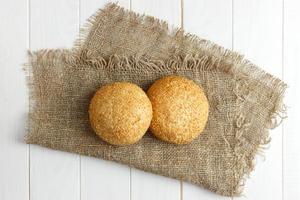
x=118, y=45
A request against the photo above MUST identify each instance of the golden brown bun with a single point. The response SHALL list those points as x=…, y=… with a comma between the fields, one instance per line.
x=120, y=113
x=180, y=109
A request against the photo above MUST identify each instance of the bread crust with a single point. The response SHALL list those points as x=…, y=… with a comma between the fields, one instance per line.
x=180, y=109
x=120, y=113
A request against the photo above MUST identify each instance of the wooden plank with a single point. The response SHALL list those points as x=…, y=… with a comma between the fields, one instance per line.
x=168, y=10
x=291, y=147
x=212, y=20
x=102, y=179
x=209, y=19
x=53, y=174
x=258, y=35
x=150, y=186
x=145, y=185
x=13, y=101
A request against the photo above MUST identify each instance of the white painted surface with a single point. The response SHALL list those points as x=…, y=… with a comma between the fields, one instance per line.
x=266, y=31
x=144, y=185
x=14, y=153
x=291, y=71
x=257, y=32
x=211, y=20
x=102, y=179
x=53, y=174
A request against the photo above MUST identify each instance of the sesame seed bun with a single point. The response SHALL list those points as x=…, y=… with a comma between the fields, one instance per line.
x=120, y=113
x=180, y=109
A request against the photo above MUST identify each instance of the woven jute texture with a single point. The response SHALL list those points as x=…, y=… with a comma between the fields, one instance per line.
x=118, y=45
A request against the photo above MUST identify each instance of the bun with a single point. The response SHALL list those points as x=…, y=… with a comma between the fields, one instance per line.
x=120, y=113
x=180, y=109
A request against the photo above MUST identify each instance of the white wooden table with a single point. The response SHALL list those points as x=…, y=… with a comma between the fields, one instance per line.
x=266, y=31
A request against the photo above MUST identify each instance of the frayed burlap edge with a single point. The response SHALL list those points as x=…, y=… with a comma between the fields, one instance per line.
x=216, y=57
x=244, y=167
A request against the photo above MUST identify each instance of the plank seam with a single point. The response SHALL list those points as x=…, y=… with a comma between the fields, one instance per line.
x=232, y=25
x=181, y=13
x=282, y=77
x=80, y=168
x=29, y=149
x=182, y=26
x=130, y=169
